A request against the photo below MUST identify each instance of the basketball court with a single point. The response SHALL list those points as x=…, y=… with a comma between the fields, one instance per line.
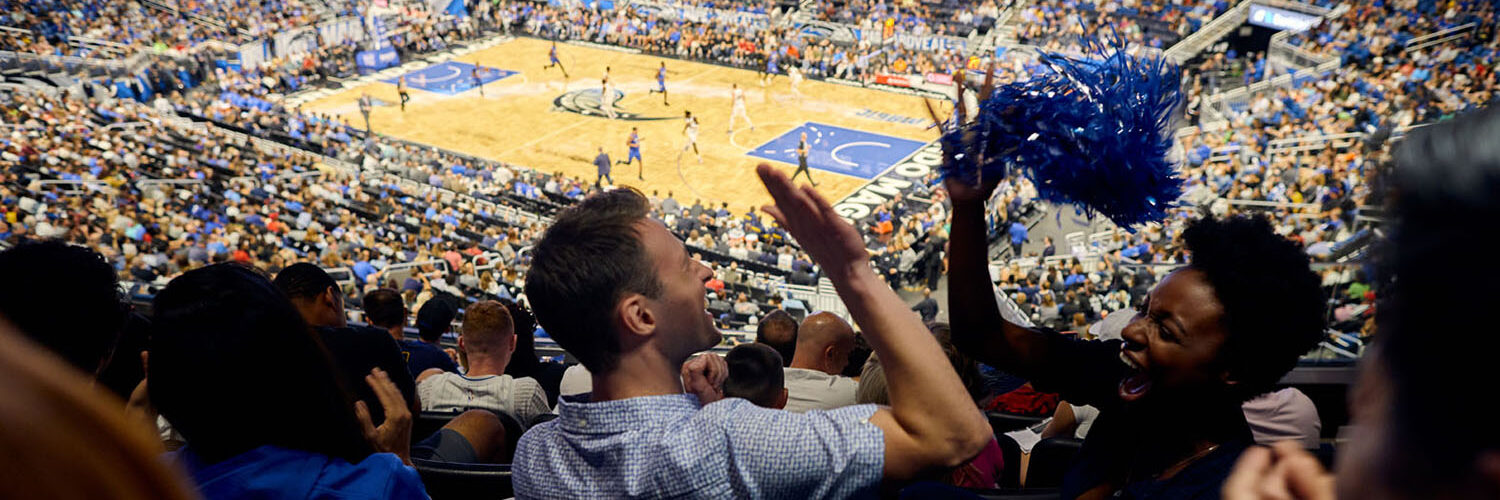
x=536, y=118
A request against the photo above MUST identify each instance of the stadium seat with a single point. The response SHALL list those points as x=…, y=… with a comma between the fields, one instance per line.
x=1050, y=459
x=1006, y=422
x=464, y=481
x=1010, y=477
x=1017, y=494
x=429, y=422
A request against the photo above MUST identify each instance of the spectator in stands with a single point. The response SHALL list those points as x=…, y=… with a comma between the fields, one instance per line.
x=485, y=342
x=1284, y=415
x=813, y=381
x=237, y=372
x=743, y=305
x=434, y=319
x=755, y=375
x=1402, y=443
x=385, y=309
x=1212, y=335
x=778, y=330
x=70, y=439
x=65, y=298
x=638, y=312
x=355, y=351
x=927, y=307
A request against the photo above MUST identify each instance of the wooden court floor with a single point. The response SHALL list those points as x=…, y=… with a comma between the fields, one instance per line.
x=518, y=120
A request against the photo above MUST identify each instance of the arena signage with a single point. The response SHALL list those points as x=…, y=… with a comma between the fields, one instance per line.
x=837, y=33
x=901, y=177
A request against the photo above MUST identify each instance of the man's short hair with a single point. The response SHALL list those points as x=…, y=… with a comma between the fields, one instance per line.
x=588, y=260
x=779, y=331
x=486, y=324
x=303, y=281
x=64, y=297
x=384, y=308
x=755, y=373
x=434, y=319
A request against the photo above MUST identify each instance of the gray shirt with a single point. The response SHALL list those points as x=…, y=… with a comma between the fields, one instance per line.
x=815, y=390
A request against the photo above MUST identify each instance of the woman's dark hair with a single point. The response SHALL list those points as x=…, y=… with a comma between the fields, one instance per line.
x=857, y=356
x=1446, y=179
x=967, y=367
x=523, y=362
x=1273, y=302
x=234, y=368
x=582, y=266
x=64, y=297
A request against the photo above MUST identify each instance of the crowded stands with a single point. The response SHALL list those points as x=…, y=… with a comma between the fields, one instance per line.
x=452, y=326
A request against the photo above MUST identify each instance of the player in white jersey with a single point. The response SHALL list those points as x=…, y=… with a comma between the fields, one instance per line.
x=795, y=73
x=607, y=99
x=737, y=98
x=690, y=129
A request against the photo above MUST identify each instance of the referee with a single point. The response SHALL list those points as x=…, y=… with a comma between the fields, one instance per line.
x=802, y=161
x=401, y=89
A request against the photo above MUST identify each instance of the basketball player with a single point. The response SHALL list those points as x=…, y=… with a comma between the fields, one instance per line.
x=634, y=144
x=737, y=98
x=770, y=73
x=802, y=161
x=607, y=99
x=661, y=83
x=690, y=129
x=553, y=61
x=796, y=76
x=478, y=81
x=401, y=90
x=364, y=109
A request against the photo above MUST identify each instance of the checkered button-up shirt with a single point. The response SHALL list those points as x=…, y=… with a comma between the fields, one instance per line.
x=666, y=446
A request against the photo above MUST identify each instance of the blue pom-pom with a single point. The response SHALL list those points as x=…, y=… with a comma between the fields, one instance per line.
x=1091, y=133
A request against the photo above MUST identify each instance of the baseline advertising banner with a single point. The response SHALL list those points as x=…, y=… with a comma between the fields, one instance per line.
x=893, y=80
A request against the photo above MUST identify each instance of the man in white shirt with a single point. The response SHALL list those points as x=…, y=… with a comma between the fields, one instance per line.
x=485, y=344
x=812, y=381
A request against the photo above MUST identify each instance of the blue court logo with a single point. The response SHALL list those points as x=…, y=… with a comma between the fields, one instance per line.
x=452, y=77
x=836, y=149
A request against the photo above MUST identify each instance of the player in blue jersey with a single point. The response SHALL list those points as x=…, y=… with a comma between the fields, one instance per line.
x=478, y=80
x=661, y=83
x=634, y=144
x=554, y=61
x=770, y=73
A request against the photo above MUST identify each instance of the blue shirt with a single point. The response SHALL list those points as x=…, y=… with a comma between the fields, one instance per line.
x=420, y=356
x=666, y=446
x=1017, y=233
x=273, y=472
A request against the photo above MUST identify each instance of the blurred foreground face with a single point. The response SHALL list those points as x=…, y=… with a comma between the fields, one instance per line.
x=1358, y=469
x=61, y=438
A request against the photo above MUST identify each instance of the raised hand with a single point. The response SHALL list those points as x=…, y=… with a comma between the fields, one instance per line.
x=394, y=434
x=832, y=242
x=959, y=190
x=704, y=376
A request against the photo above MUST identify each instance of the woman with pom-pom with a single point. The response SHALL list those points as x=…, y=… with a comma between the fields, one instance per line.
x=1212, y=334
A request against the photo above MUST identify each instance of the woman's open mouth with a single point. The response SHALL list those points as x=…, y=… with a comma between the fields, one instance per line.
x=1135, y=385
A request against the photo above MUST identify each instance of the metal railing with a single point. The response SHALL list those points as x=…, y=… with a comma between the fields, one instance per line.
x=1209, y=34
x=1441, y=37
x=73, y=65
